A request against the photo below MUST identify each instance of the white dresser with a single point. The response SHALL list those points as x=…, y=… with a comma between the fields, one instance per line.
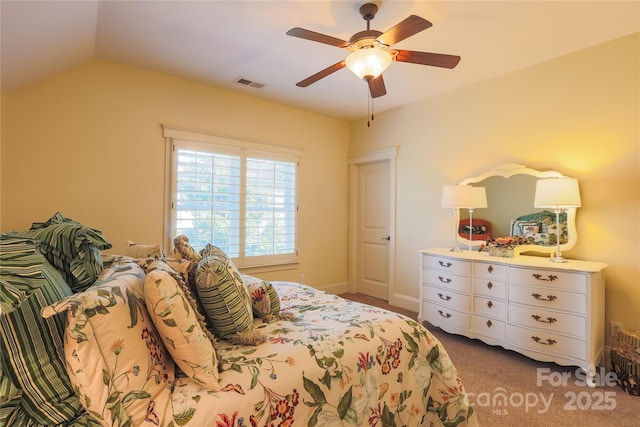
x=552, y=312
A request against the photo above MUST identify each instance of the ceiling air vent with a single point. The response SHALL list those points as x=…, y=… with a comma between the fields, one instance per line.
x=246, y=82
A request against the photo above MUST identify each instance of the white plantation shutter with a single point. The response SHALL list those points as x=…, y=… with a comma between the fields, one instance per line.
x=270, y=224
x=208, y=199
x=236, y=197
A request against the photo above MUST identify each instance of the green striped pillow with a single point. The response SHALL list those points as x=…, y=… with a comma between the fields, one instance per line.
x=20, y=271
x=223, y=296
x=73, y=248
x=32, y=349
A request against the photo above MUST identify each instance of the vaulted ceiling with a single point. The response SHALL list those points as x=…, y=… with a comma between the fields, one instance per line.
x=219, y=42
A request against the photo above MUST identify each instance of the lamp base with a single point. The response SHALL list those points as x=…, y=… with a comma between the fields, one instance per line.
x=558, y=258
x=456, y=249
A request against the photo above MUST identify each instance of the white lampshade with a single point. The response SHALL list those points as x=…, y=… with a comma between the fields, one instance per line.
x=557, y=193
x=478, y=198
x=368, y=62
x=464, y=196
x=456, y=196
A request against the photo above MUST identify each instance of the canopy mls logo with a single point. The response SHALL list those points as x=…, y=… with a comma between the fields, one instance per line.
x=601, y=378
x=500, y=401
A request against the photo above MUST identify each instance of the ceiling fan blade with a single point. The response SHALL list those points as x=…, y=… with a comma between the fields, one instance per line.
x=317, y=37
x=376, y=87
x=408, y=27
x=321, y=74
x=427, y=58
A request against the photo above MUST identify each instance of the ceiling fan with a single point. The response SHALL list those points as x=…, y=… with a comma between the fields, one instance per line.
x=370, y=50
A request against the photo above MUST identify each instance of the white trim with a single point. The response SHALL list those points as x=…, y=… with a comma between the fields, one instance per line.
x=383, y=155
x=179, y=134
x=374, y=156
x=203, y=141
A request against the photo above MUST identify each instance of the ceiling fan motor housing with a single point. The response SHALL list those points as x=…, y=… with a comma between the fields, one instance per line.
x=368, y=11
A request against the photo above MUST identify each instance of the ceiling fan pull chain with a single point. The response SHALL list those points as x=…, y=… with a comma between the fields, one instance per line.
x=369, y=108
x=368, y=111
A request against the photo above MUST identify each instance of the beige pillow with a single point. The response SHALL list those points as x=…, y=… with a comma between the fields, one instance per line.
x=138, y=250
x=180, y=330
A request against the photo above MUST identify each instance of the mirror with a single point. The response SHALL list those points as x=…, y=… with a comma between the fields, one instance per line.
x=510, y=192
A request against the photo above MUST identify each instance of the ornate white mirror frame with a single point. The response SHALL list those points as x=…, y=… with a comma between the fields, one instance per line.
x=518, y=172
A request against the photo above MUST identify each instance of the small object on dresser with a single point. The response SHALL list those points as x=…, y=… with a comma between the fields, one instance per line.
x=504, y=246
x=501, y=252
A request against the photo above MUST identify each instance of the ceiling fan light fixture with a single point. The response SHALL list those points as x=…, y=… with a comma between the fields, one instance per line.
x=368, y=63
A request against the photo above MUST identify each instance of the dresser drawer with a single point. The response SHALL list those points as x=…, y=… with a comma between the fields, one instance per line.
x=549, y=299
x=489, y=270
x=489, y=327
x=546, y=342
x=450, y=265
x=445, y=280
x=490, y=288
x=448, y=299
x=548, y=320
x=550, y=278
x=489, y=307
x=441, y=316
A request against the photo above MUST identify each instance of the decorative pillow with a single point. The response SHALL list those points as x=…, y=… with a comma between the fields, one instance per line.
x=182, y=266
x=115, y=359
x=32, y=352
x=529, y=227
x=73, y=248
x=225, y=299
x=210, y=249
x=264, y=298
x=178, y=327
x=137, y=250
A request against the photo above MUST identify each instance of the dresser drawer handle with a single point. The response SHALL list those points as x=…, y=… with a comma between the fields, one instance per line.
x=490, y=269
x=548, y=298
x=549, y=278
x=445, y=315
x=443, y=280
x=489, y=324
x=489, y=304
x=539, y=340
x=549, y=320
x=446, y=298
x=444, y=264
x=489, y=285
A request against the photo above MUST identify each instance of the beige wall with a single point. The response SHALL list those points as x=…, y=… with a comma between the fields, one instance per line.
x=88, y=142
x=577, y=114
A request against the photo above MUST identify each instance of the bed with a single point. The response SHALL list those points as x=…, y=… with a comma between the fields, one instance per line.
x=122, y=341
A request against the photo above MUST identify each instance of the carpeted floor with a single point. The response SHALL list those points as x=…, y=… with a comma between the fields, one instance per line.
x=509, y=389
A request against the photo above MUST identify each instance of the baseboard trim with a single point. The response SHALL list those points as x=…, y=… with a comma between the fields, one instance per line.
x=406, y=302
x=335, y=288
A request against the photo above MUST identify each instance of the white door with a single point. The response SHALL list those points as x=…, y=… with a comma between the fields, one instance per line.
x=373, y=230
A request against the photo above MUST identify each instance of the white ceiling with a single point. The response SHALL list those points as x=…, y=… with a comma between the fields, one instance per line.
x=217, y=42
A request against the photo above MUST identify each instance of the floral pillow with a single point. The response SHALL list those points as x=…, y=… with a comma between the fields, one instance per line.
x=264, y=298
x=179, y=328
x=114, y=357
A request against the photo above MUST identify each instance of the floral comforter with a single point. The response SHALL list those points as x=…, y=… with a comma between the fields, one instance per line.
x=337, y=363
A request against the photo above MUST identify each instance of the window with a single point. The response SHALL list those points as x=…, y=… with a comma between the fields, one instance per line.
x=238, y=196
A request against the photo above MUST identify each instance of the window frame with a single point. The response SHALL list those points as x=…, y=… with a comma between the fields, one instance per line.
x=176, y=137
